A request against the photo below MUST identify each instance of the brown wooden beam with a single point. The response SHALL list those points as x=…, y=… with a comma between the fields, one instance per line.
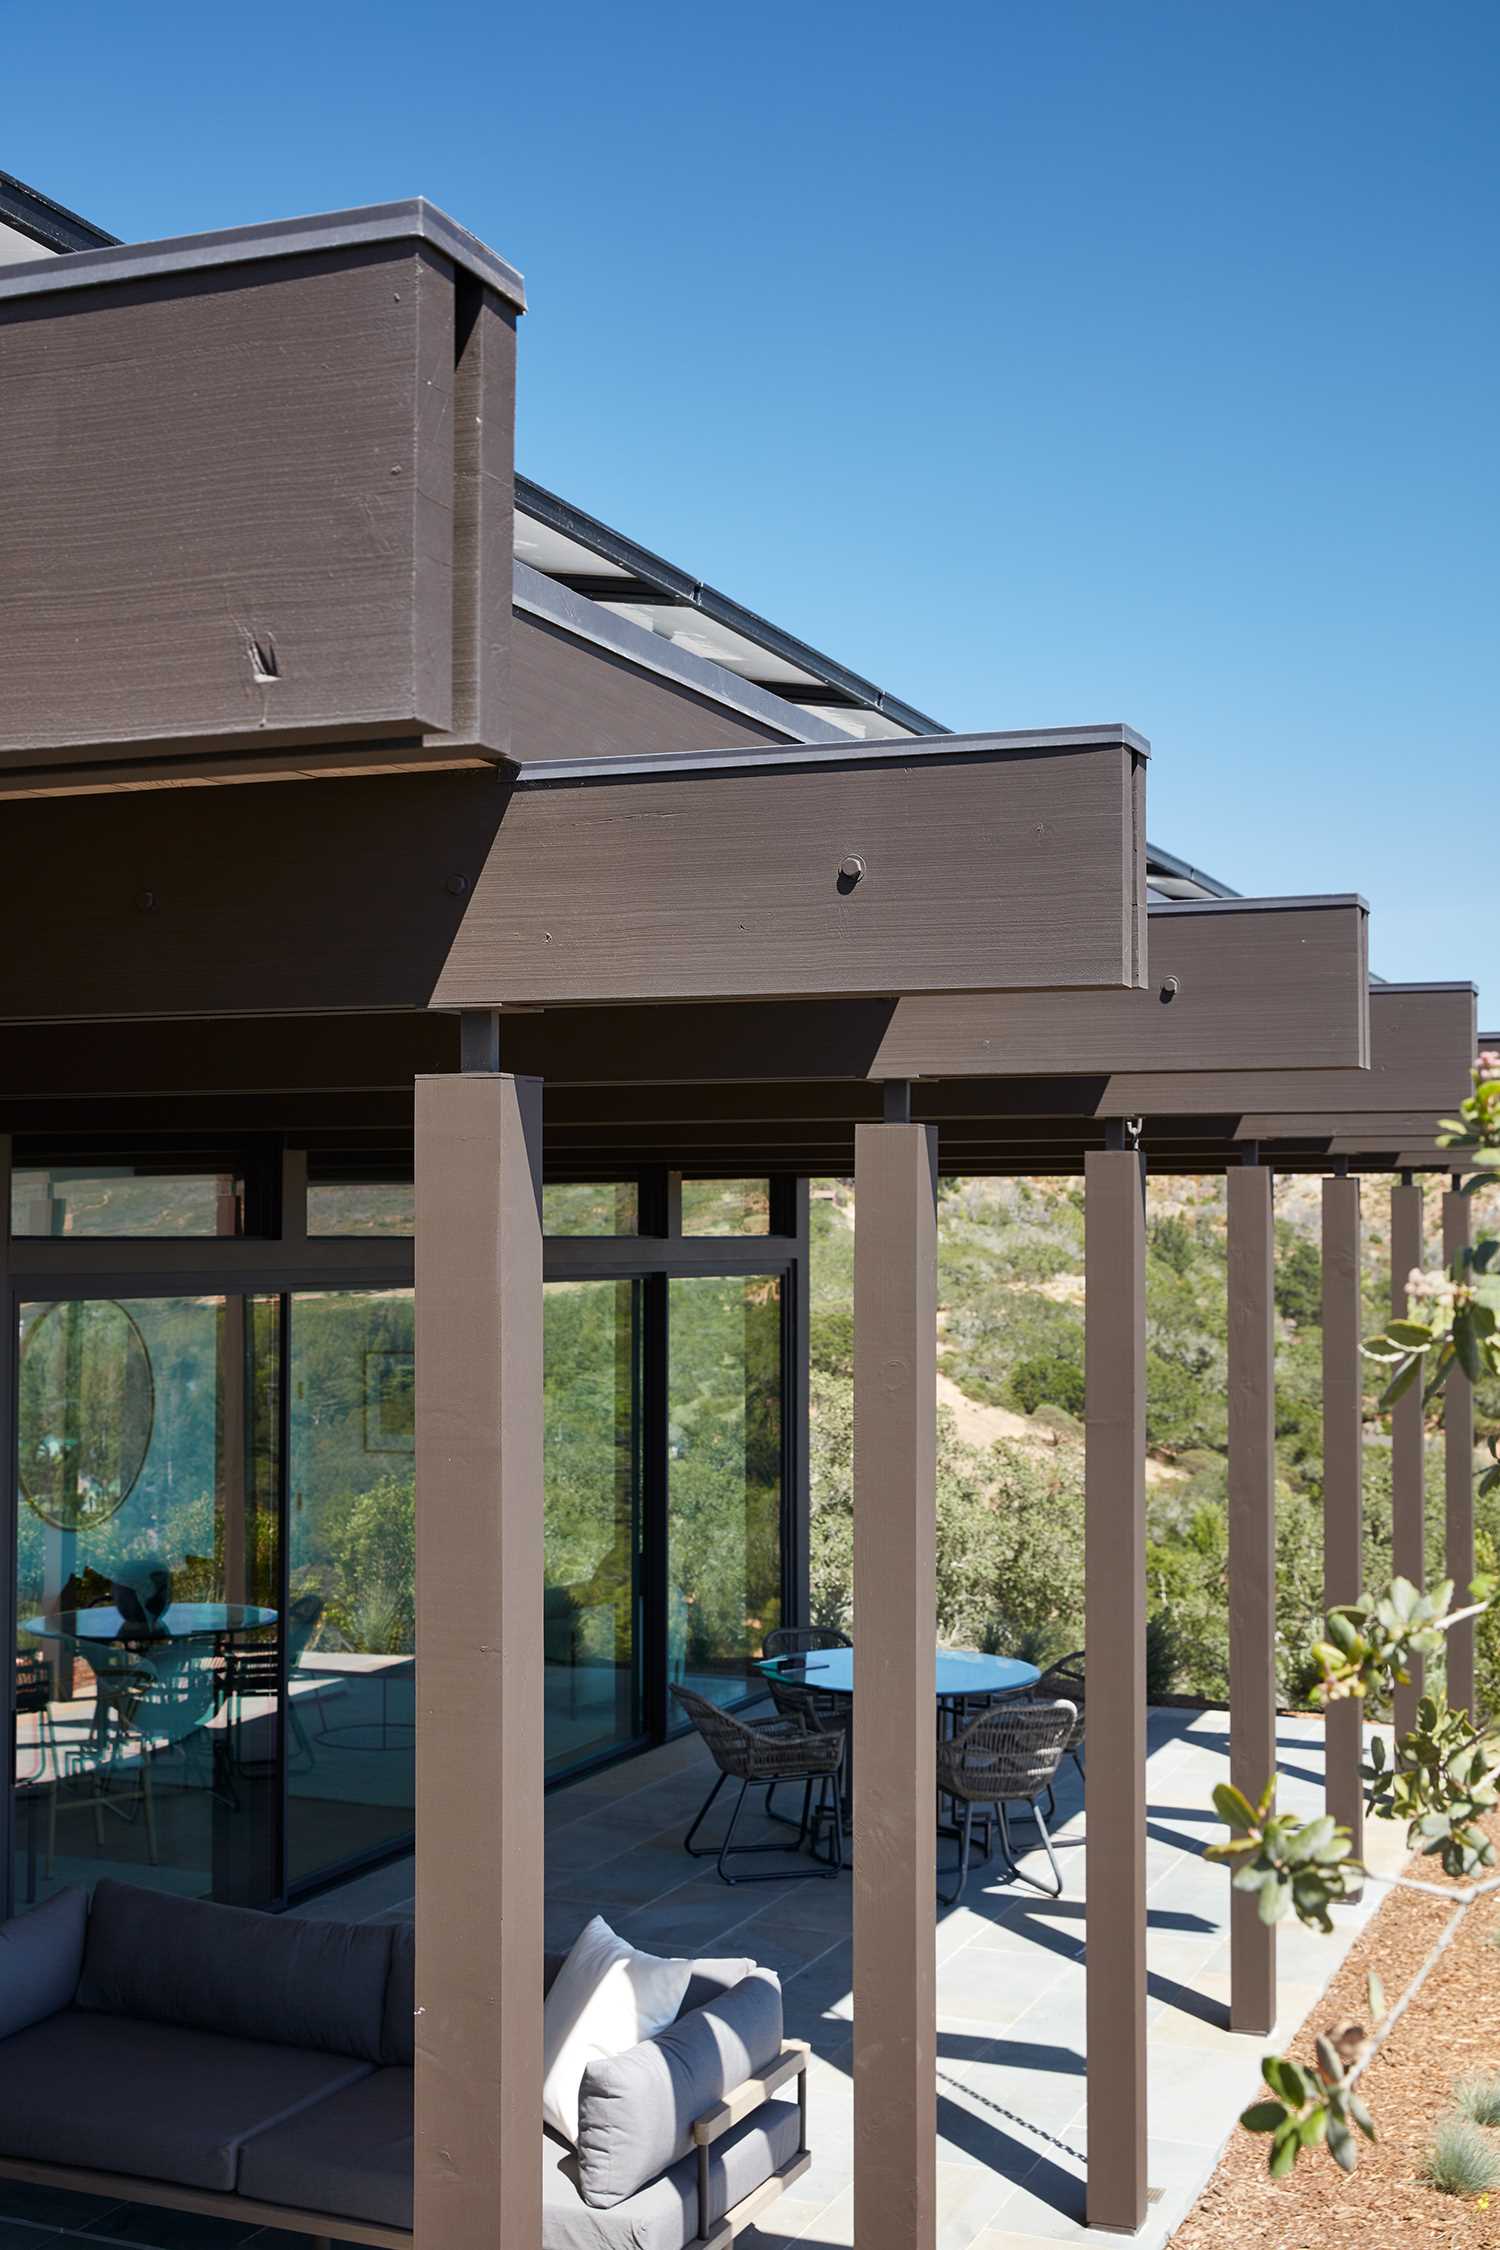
x=895, y=1597
x=1458, y=1473
x=1343, y=1494
x=782, y=871
x=1421, y=1047
x=1252, y=1562
x=1408, y=1489
x=479, y=1856
x=1115, y=1563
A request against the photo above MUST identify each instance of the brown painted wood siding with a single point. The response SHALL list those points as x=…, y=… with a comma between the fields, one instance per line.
x=572, y=700
x=229, y=503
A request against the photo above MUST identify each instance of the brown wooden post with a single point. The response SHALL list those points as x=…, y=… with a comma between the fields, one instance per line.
x=1408, y=1494
x=895, y=1607
x=1343, y=1490
x=479, y=1868
x=1252, y=1562
x=1458, y=1466
x=1115, y=1562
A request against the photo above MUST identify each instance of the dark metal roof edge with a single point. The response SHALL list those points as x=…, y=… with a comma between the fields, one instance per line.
x=1159, y=862
x=534, y=499
x=1429, y=984
x=1234, y=903
x=414, y=219
x=542, y=596
x=52, y=224
x=551, y=772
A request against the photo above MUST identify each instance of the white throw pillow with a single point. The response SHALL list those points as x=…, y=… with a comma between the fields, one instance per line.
x=606, y=1998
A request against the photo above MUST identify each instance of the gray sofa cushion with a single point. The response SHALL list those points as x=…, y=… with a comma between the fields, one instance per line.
x=664, y=2216
x=41, y=1954
x=636, y=2110
x=158, y=1959
x=350, y=2155
x=398, y=2030
x=151, y=2099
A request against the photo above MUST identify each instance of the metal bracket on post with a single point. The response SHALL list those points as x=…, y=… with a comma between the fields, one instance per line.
x=479, y=1039
x=896, y=1101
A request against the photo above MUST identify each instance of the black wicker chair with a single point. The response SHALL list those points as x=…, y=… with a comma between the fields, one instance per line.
x=1009, y=1755
x=760, y=1753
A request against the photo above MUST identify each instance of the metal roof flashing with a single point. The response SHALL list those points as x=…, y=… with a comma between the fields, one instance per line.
x=413, y=220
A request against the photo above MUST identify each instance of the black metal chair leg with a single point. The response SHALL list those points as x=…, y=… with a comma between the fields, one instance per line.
x=836, y=1803
x=728, y=1844
x=687, y=1841
x=1057, y=1881
x=965, y=1841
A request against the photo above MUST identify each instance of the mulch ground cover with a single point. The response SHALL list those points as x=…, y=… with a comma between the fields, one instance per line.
x=1451, y=2030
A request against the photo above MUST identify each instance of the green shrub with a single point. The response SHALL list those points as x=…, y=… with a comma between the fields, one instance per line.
x=1299, y=1278
x=1163, y=1656
x=1049, y=1379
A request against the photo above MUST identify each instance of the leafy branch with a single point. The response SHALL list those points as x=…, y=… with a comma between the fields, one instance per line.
x=1293, y=1866
x=1309, y=2106
x=1441, y=1779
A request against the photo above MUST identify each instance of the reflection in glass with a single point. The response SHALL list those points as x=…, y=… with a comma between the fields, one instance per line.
x=351, y=1623
x=591, y=1639
x=724, y=1476
x=726, y=1207
x=146, y=1572
x=591, y=1207
x=124, y=1199
x=361, y=1207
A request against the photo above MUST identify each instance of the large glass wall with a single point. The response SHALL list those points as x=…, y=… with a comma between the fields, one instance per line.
x=592, y=1624
x=215, y=1662
x=724, y=1478
x=351, y=1561
x=148, y=1590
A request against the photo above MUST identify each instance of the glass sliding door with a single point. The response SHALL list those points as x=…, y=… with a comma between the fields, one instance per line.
x=147, y=1711
x=592, y=1497
x=351, y=1578
x=724, y=1478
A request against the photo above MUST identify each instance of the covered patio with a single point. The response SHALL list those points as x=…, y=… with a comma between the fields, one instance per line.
x=326, y=929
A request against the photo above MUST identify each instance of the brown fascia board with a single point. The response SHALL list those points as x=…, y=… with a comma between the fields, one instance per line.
x=1422, y=1044
x=414, y=220
x=962, y=862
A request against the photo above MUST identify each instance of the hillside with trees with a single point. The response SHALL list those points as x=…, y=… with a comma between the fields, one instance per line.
x=1010, y=1446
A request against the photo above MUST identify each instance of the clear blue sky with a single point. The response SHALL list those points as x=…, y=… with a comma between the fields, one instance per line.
x=1048, y=360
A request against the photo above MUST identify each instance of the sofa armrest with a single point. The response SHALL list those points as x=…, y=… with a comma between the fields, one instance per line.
x=744, y=2098
x=742, y=2102
x=41, y=1959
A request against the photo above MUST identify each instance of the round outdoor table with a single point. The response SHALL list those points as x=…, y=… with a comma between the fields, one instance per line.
x=179, y=1621
x=958, y=1673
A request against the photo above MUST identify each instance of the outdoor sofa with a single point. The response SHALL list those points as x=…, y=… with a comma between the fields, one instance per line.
x=209, y=2059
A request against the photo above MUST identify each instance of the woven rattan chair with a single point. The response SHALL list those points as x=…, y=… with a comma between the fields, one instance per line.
x=759, y=1754
x=1065, y=1680
x=819, y=1712
x=1008, y=1756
